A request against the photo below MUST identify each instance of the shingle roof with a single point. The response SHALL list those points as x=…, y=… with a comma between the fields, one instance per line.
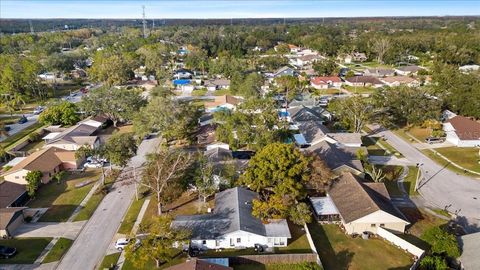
x=380, y=71
x=9, y=192
x=399, y=79
x=346, y=137
x=233, y=212
x=465, y=128
x=218, y=154
x=7, y=214
x=409, y=68
x=222, y=100
x=312, y=130
x=470, y=245
x=336, y=156
x=76, y=133
x=355, y=200
x=302, y=114
x=196, y=264
x=325, y=80
x=363, y=79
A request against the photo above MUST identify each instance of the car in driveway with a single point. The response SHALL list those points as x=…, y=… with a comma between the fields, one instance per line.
x=22, y=120
x=7, y=252
x=121, y=243
x=93, y=164
x=432, y=140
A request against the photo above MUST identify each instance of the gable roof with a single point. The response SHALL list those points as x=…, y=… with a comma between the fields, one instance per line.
x=336, y=156
x=44, y=160
x=218, y=154
x=312, y=130
x=282, y=69
x=325, y=80
x=233, y=212
x=363, y=79
x=196, y=264
x=8, y=214
x=465, y=128
x=10, y=192
x=222, y=100
x=355, y=200
x=412, y=68
x=217, y=82
x=302, y=114
x=380, y=71
x=399, y=79
x=76, y=134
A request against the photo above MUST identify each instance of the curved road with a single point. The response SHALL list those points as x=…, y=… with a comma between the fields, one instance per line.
x=441, y=187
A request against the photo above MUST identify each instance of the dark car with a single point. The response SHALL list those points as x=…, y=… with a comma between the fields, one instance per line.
x=7, y=252
x=22, y=120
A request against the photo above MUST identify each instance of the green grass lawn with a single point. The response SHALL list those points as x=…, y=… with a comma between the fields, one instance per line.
x=339, y=251
x=63, y=198
x=420, y=133
x=131, y=216
x=298, y=243
x=222, y=92
x=199, y=92
x=359, y=90
x=180, y=258
x=466, y=157
x=258, y=266
x=391, y=176
x=21, y=136
x=331, y=91
x=433, y=156
x=90, y=207
x=60, y=248
x=8, y=120
x=28, y=249
x=410, y=180
x=373, y=148
x=110, y=260
x=420, y=221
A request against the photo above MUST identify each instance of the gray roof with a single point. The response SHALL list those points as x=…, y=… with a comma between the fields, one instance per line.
x=336, y=156
x=233, y=212
x=409, y=68
x=10, y=192
x=218, y=154
x=470, y=245
x=302, y=113
x=76, y=134
x=346, y=137
x=312, y=130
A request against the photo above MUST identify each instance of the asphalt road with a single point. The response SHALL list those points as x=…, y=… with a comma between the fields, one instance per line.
x=15, y=128
x=91, y=244
x=441, y=187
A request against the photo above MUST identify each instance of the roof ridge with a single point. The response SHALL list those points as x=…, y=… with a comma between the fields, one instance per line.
x=238, y=208
x=362, y=186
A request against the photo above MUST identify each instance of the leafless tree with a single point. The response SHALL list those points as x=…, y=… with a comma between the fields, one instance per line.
x=381, y=47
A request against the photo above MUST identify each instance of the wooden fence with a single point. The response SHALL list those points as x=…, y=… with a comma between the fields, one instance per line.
x=274, y=258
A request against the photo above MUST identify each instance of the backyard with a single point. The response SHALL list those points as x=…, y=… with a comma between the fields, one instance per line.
x=339, y=251
x=28, y=249
x=62, y=198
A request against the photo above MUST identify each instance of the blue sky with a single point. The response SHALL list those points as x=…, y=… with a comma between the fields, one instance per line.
x=233, y=8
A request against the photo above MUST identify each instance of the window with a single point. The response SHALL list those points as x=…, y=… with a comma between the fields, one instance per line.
x=239, y=240
x=231, y=242
x=204, y=242
x=382, y=225
x=373, y=225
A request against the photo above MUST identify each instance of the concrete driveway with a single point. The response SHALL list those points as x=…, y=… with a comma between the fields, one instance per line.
x=93, y=241
x=389, y=160
x=68, y=230
x=441, y=187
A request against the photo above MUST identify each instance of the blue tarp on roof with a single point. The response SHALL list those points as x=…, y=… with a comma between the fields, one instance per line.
x=181, y=82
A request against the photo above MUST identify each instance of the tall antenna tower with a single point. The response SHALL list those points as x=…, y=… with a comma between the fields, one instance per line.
x=144, y=22
x=31, y=27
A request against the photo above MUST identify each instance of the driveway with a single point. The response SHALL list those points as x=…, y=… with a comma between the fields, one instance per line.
x=92, y=243
x=68, y=230
x=389, y=160
x=441, y=187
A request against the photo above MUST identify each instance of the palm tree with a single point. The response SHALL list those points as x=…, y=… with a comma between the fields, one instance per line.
x=377, y=175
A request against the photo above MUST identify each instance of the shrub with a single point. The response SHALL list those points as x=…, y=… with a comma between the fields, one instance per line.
x=433, y=263
x=34, y=136
x=442, y=242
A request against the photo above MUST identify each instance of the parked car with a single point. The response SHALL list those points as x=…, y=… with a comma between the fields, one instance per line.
x=432, y=140
x=22, y=120
x=7, y=252
x=38, y=110
x=121, y=243
x=93, y=165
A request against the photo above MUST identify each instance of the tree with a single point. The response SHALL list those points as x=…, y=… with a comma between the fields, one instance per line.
x=354, y=111
x=442, y=242
x=278, y=173
x=63, y=113
x=118, y=104
x=33, y=179
x=205, y=180
x=375, y=173
x=433, y=263
x=381, y=47
x=325, y=67
x=288, y=85
x=321, y=175
x=282, y=48
x=13, y=102
x=112, y=68
x=163, y=174
x=59, y=176
x=158, y=243
x=120, y=148
x=300, y=214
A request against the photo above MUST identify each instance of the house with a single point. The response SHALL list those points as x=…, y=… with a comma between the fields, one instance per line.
x=408, y=70
x=10, y=219
x=315, y=132
x=364, y=207
x=284, y=71
x=400, y=80
x=217, y=84
x=339, y=158
x=363, y=81
x=305, y=60
x=302, y=114
x=379, y=72
x=232, y=225
x=359, y=57
x=222, y=102
x=469, y=68
x=183, y=74
x=294, y=48
x=12, y=194
x=76, y=136
x=47, y=76
x=470, y=245
x=462, y=131
x=206, y=134
x=326, y=82
x=345, y=58
x=199, y=264
x=49, y=161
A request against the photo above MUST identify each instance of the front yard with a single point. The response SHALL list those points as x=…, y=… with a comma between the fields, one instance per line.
x=359, y=89
x=468, y=158
x=60, y=248
x=339, y=251
x=61, y=199
x=28, y=249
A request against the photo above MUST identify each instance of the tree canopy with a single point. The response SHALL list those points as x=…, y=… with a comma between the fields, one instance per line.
x=63, y=113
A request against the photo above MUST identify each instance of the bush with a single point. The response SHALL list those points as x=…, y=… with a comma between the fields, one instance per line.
x=34, y=136
x=442, y=242
x=433, y=263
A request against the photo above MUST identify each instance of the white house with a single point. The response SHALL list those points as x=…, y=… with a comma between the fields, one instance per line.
x=326, y=82
x=469, y=68
x=363, y=206
x=400, y=80
x=408, y=70
x=231, y=224
x=462, y=131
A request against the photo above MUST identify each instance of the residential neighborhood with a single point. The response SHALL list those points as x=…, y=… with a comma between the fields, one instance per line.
x=350, y=142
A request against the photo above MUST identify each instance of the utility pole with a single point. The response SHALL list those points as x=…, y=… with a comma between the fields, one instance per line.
x=144, y=22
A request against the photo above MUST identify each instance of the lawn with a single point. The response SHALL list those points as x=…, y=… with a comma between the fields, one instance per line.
x=131, y=216
x=466, y=157
x=359, y=90
x=339, y=251
x=110, y=260
x=110, y=130
x=199, y=92
x=222, y=92
x=410, y=180
x=373, y=148
x=87, y=211
x=8, y=120
x=181, y=258
x=20, y=136
x=331, y=91
x=258, y=266
x=33, y=146
x=420, y=133
x=60, y=248
x=28, y=249
x=420, y=222
x=433, y=156
x=63, y=198
x=391, y=176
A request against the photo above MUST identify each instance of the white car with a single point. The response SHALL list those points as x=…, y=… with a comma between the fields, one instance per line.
x=38, y=110
x=121, y=243
x=93, y=165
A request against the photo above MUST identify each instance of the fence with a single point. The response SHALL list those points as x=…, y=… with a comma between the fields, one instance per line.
x=403, y=244
x=275, y=258
x=312, y=244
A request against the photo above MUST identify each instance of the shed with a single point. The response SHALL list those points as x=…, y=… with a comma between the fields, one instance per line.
x=325, y=209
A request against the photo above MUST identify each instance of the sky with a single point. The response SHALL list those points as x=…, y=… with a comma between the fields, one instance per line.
x=233, y=8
